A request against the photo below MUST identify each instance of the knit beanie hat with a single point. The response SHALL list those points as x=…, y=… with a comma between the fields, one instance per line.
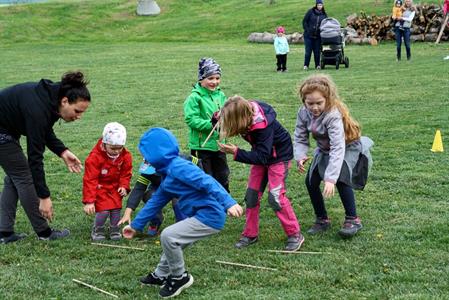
x=398, y=2
x=319, y=2
x=208, y=67
x=114, y=134
x=280, y=29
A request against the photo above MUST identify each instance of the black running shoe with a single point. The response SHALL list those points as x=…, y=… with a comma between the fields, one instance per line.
x=174, y=285
x=12, y=238
x=55, y=235
x=153, y=279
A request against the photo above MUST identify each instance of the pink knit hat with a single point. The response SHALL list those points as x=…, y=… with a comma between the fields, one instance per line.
x=280, y=29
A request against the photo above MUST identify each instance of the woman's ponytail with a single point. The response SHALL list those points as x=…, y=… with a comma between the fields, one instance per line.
x=74, y=87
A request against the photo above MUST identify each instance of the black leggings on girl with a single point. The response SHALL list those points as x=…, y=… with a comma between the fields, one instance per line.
x=345, y=191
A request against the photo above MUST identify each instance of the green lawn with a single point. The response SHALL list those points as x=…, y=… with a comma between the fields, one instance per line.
x=400, y=254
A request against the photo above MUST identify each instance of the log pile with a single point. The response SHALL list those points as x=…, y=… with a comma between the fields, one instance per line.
x=368, y=29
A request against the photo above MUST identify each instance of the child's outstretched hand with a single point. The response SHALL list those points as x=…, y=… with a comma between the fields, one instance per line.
x=235, y=210
x=301, y=164
x=89, y=209
x=329, y=189
x=126, y=217
x=128, y=232
x=122, y=191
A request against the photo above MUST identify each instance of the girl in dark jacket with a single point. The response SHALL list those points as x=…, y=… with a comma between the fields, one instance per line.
x=312, y=41
x=31, y=109
x=270, y=155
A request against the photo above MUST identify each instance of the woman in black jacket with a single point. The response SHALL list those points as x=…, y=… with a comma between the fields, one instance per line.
x=312, y=41
x=31, y=109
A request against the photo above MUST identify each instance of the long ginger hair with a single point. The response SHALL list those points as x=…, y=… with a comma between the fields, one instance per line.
x=236, y=117
x=325, y=85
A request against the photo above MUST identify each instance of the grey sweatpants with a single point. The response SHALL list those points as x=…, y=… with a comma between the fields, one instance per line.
x=174, y=239
x=18, y=184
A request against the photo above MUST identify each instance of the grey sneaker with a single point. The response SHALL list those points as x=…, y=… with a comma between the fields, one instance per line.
x=245, y=241
x=294, y=242
x=350, y=227
x=12, y=238
x=114, y=233
x=319, y=226
x=55, y=235
x=98, y=234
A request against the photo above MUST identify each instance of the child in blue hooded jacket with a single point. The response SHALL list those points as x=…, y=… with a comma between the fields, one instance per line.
x=202, y=200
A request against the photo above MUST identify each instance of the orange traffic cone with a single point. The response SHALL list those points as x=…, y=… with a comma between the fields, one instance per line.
x=437, y=142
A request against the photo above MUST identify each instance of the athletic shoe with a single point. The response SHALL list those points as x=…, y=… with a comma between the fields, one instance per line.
x=294, y=242
x=175, y=285
x=12, y=238
x=350, y=227
x=306, y=68
x=153, y=231
x=114, y=233
x=55, y=235
x=98, y=234
x=245, y=241
x=319, y=226
x=153, y=279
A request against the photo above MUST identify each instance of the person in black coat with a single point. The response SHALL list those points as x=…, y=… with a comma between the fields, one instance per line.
x=31, y=109
x=312, y=41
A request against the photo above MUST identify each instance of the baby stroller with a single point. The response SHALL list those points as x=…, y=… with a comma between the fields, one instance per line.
x=332, y=44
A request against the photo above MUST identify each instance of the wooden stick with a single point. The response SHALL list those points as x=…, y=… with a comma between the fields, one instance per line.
x=117, y=246
x=243, y=265
x=296, y=252
x=210, y=134
x=442, y=28
x=94, y=288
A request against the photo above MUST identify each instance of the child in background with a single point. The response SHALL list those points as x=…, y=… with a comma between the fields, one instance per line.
x=342, y=157
x=200, y=110
x=270, y=155
x=397, y=13
x=107, y=175
x=146, y=184
x=281, y=48
x=202, y=200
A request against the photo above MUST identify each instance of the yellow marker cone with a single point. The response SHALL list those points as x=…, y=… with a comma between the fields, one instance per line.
x=437, y=142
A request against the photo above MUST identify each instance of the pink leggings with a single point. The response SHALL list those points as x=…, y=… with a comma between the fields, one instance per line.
x=275, y=176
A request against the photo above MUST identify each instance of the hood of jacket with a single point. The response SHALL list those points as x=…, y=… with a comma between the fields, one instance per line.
x=264, y=115
x=47, y=89
x=159, y=147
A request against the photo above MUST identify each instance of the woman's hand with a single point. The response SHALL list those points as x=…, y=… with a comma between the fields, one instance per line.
x=46, y=208
x=227, y=148
x=128, y=232
x=235, y=211
x=329, y=189
x=122, y=191
x=301, y=164
x=126, y=216
x=89, y=209
x=73, y=163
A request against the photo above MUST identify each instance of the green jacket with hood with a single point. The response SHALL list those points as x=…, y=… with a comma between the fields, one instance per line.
x=199, y=107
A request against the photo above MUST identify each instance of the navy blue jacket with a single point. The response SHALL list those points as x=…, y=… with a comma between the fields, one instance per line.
x=31, y=109
x=312, y=21
x=270, y=141
x=200, y=195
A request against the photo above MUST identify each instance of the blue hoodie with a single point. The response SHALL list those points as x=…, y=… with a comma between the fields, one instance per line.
x=200, y=195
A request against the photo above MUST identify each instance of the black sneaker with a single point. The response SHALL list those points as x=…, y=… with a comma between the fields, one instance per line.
x=98, y=234
x=294, y=242
x=55, y=235
x=153, y=279
x=174, y=285
x=319, y=226
x=114, y=233
x=350, y=227
x=245, y=242
x=12, y=238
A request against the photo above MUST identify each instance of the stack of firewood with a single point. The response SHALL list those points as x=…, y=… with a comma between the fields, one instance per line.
x=425, y=25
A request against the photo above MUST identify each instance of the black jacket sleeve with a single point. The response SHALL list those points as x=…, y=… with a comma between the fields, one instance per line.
x=262, y=147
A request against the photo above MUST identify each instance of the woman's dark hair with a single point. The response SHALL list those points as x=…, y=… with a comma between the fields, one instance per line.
x=322, y=10
x=73, y=86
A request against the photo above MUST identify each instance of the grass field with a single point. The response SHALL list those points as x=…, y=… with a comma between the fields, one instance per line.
x=400, y=254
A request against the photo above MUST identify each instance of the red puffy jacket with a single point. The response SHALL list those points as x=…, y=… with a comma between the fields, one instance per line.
x=103, y=176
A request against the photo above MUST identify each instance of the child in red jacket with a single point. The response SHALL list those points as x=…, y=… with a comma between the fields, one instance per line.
x=107, y=176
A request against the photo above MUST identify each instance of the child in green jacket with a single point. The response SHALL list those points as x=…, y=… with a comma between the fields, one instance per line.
x=201, y=112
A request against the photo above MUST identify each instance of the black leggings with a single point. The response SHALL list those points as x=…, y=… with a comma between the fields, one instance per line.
x=316, y=197
x=215, y=164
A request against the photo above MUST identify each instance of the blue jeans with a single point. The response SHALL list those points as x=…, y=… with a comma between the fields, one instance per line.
x=312, y=44
x=402, y=34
